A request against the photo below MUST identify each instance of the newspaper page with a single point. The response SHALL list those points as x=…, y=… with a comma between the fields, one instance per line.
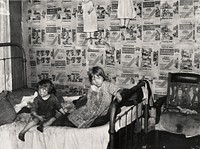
x=95, y=57
x=186, y=63
x=130, y=57
x=169, y=58
x=197, y=23
x=65, y=35
x=186, y=9
x=146, y=58
x=166, y=9
x=114, y=23
x=196, y=67
x=44, y=58
x=186, y=31
x=148, y=10
x=51, y=35
x=52, y=13
x=38, y=35
x=81, y=36
x=59, y=59
x=169, y=31
x=127, y=78
x=151, y=33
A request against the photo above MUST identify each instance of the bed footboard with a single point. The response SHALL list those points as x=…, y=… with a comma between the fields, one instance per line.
x=130, y=121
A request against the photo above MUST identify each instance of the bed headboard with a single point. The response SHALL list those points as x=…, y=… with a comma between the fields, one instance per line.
x=18, y=65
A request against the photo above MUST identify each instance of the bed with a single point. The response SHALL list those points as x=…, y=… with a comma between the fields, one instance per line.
x=126, y=119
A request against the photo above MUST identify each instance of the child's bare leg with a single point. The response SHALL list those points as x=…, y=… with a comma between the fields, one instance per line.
x=48, y=123
x=32, y=123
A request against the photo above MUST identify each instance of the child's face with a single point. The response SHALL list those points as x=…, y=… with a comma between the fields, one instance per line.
x=97, y=81
x=43, y=92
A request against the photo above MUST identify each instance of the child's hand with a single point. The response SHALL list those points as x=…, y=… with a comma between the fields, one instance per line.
x=118, y=97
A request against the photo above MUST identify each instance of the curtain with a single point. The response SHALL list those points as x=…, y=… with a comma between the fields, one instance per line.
x=5, y=62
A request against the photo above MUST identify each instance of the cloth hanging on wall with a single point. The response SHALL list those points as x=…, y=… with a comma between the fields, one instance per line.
x=89, y=19
x=126, y=9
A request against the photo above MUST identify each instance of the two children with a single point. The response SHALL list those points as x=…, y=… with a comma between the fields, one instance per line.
x=99, y=98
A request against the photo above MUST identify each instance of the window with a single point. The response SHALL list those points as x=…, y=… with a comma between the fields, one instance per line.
x=5, y=64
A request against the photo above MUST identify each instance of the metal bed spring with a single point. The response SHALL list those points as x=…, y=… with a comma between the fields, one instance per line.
x=22, y=58
x=127, y=137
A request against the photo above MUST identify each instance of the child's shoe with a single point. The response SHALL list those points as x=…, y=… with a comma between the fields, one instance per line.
x=21, y=136
x=40, y=128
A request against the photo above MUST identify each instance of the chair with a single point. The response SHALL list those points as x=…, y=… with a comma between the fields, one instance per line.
x=178, y=111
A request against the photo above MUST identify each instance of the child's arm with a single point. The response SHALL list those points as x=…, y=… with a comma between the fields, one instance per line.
x=62, y=111
x=37, y=116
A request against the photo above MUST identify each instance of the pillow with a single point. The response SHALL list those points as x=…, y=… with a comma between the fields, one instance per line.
x=7, y=112
x=16, y=96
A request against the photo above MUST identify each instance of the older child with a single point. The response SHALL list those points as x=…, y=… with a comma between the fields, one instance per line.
x=99, y=98
x=44, y=108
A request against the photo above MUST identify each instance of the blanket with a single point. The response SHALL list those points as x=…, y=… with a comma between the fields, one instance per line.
x=180, y=123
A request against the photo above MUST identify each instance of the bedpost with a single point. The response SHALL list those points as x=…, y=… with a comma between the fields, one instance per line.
x=113, y=108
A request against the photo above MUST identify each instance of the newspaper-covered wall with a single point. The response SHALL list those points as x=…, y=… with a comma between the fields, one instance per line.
x=163, y=37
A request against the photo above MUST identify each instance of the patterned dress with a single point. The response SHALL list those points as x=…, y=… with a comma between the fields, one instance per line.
x=98, y=103
x=126, y=9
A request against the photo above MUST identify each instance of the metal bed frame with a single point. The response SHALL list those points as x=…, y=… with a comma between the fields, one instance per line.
x=22, y=57
x=128, y=134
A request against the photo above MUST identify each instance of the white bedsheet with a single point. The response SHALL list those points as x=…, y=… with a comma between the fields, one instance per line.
x=55, y=137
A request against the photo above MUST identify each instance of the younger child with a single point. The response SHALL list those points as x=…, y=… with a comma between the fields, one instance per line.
x=44, y=108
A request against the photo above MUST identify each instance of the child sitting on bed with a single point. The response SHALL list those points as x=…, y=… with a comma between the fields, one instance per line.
x=44, y=108
x=99, y=98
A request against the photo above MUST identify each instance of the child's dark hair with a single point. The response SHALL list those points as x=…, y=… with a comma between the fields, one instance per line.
x=46, y=83
x=98, y=71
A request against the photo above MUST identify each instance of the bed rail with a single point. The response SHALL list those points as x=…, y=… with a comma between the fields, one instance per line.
x=115, y=106
x=13, y=58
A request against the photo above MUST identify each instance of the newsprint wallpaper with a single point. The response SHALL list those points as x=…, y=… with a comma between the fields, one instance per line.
x=163, y=37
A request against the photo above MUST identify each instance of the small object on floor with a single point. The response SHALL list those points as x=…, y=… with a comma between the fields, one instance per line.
x=194, y=147
x=21, y=136
x=40, y=128
x=144, y=147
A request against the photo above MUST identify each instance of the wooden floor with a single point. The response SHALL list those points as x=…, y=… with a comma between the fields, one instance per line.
x=167, y=141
